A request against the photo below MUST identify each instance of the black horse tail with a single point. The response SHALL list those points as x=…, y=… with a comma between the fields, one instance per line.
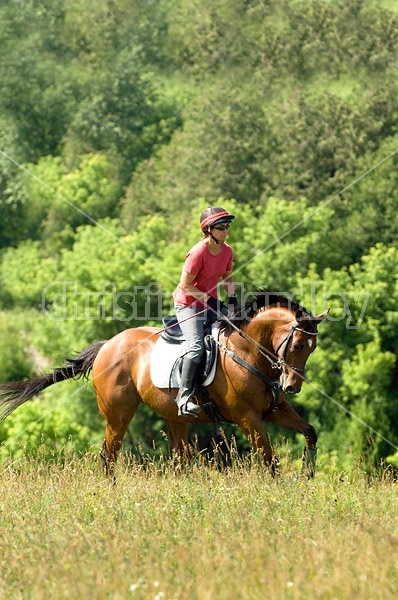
x=15, y=393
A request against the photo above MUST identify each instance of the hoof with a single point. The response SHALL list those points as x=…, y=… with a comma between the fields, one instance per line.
x=309, y=462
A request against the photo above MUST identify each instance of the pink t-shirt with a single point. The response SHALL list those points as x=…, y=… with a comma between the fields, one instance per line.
x=207, y=270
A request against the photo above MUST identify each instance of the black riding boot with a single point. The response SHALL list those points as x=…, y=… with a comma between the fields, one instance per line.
x=185, y=400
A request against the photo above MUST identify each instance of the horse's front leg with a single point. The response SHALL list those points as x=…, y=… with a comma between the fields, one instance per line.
x=285, y=416
x=252, y=426
x=178, y=439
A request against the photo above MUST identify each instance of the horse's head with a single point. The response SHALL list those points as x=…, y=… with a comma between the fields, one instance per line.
x=282, y=328
x=293, y=341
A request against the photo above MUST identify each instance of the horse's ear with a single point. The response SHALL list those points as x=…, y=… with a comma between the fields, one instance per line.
x=322, y=316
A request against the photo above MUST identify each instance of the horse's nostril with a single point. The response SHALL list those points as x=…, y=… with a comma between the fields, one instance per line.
x=291, y=389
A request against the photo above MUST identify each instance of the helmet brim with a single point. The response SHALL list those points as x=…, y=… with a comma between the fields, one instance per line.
x=228, y=219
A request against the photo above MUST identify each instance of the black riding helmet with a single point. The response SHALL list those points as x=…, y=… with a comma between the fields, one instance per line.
x=213, y=216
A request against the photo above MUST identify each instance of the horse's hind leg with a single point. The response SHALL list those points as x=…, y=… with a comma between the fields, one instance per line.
x=114, y=434
x=118, y=411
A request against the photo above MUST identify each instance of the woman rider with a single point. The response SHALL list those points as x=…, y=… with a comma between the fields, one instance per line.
x=208, y=262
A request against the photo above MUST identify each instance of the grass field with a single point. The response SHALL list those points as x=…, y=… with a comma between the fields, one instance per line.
x=168, y=532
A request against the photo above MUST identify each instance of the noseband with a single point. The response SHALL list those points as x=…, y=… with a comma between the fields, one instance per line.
x=281, y=358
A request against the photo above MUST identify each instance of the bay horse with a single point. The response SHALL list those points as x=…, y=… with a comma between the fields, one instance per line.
x=263, y=349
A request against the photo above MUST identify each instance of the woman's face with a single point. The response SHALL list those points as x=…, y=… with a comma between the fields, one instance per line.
x=220, y=231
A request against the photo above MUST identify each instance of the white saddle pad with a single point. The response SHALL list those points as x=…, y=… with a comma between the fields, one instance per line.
x=164, y=363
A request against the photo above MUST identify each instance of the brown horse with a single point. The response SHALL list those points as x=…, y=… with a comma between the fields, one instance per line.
x=263, y=349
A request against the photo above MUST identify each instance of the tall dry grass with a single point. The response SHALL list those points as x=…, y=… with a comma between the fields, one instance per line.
x=167, y=532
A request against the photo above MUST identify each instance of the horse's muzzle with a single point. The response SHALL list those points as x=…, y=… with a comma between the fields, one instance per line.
x=291, y=380
x=292, y=389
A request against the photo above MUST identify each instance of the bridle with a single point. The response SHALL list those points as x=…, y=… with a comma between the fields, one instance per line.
x=285, y=342
x=270, y=356
x=278, y=364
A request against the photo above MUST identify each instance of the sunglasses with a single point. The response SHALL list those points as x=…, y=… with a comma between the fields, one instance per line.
x=221, y=227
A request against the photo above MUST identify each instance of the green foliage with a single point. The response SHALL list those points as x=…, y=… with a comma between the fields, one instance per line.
x=236, y=145
x=86, y=87
x=15, y=360
x=353, y=374
x=38, y=93
x=24, y=273
x=281, y=242
x=366, y=213
x=122, y=115
x=52, y=200
x=281, y=36
x=87, y=194
x=46, y=427
x=11, y=196
x=96, y=32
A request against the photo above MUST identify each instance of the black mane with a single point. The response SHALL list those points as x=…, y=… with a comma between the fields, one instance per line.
x=261, y=299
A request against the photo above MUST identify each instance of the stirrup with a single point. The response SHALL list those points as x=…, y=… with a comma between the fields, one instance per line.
x=189, y=409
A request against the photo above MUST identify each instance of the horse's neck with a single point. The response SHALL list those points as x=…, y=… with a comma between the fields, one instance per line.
x=265, y=324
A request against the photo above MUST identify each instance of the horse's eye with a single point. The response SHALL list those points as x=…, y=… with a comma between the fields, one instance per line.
x=298, y=346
